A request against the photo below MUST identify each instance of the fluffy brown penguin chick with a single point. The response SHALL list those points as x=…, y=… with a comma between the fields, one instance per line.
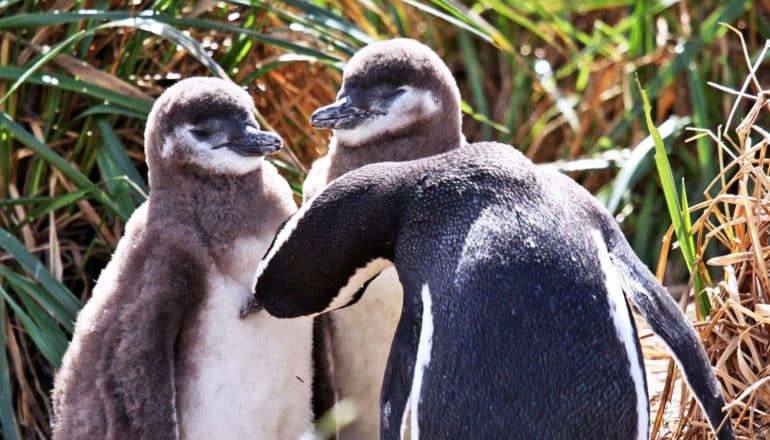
x=158, y=351
x=398, y=102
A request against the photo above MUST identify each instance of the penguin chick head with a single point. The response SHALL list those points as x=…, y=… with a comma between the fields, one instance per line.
x=391, y=88
x=206, y=125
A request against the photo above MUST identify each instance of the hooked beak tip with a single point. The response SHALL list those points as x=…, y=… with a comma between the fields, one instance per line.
x=252, y=306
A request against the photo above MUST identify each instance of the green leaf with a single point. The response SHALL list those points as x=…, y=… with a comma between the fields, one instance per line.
x=50, y=156
x=468, y=110
x=49, y=329
x=33, y=331
x=7, y=417
x=111, y=110
x=675, y=208
x=39, y=272
x=636, y=165
x=117, y=153
x=64, y=82
x=53, y=308
x=46, y=57
x=475, y=77
x=27, y=20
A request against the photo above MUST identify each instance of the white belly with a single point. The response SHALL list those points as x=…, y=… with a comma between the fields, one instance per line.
x=244, y=379
x=363, y=334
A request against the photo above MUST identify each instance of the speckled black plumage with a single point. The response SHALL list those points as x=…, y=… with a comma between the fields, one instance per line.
x=523, y=344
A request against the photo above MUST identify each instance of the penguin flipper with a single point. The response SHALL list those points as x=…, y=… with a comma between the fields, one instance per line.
x=669, y=323
x=138, y=358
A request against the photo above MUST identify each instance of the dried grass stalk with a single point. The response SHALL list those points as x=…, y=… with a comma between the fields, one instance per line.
x=736, y=221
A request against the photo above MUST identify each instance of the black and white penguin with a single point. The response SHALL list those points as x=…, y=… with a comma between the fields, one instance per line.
x=398, y=102
x=514, y=323
x=159, y=351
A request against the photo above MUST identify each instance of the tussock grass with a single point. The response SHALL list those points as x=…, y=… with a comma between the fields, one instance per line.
x=555, y=78
x=734, y=223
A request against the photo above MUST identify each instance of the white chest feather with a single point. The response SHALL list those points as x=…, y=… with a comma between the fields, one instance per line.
x=245, y=378
x=244, y=257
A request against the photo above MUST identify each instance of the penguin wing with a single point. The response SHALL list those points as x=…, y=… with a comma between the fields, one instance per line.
x=137, y=350
x=669, y=323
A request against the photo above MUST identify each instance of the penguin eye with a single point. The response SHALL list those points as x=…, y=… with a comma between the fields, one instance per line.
x=200, y=133
x=394, y=93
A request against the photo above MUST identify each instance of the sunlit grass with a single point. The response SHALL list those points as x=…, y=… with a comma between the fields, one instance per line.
x=555, y=78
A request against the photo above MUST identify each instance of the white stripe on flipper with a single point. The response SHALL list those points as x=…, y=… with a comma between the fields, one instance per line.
x=638, y=285
x=421, y=362
x=357, y=281
x=405, y=417
x=624, y=328
x=285, y=233
x=280, y=239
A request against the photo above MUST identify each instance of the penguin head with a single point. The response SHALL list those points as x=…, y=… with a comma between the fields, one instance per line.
x=391, y=88
x=206, y=125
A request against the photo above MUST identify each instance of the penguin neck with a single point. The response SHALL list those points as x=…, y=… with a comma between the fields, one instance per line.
x=218, y=209
x=388, y=148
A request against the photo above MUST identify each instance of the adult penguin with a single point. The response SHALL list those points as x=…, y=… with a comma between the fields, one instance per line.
x=515, y=322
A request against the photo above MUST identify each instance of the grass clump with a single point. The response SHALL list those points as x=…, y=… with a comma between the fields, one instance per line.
x=732, y=237
x=555, y=78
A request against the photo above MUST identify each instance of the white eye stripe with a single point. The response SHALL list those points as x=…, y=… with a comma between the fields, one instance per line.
x=403, y=110
x=204, y=153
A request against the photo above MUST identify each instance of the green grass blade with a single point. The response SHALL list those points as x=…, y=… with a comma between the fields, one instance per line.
x=24, y=287
x=75, y=85
x=118, y=185
x=521, y=19
x=7, y=417
x=33, y=331
x=475, y=78
x=101, y=109
x=667, y=181
x=468, y=110
x=700, y=115
x=118, y=155
x=172, y=34
x=645, y=225
x=330, y=20
x=53, y=203
x=28, y=20
x=636, y=165
x=453, y=20
x=48, y=56
x=699, y=285
x=679, y=217
x=39, y=272
x=50, y=156
x=49, y=328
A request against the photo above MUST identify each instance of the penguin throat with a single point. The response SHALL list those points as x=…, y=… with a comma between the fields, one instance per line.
x=199, y=201
x=395, y=148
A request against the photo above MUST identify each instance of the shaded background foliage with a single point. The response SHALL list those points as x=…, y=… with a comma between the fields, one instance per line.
x=554, y=78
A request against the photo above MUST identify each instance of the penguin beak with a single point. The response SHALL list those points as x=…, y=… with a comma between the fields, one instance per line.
x=252, y=306
x=251, y=141
x=342, y=114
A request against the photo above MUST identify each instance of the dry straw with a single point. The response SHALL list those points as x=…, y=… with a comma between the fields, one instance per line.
x=735, y=222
